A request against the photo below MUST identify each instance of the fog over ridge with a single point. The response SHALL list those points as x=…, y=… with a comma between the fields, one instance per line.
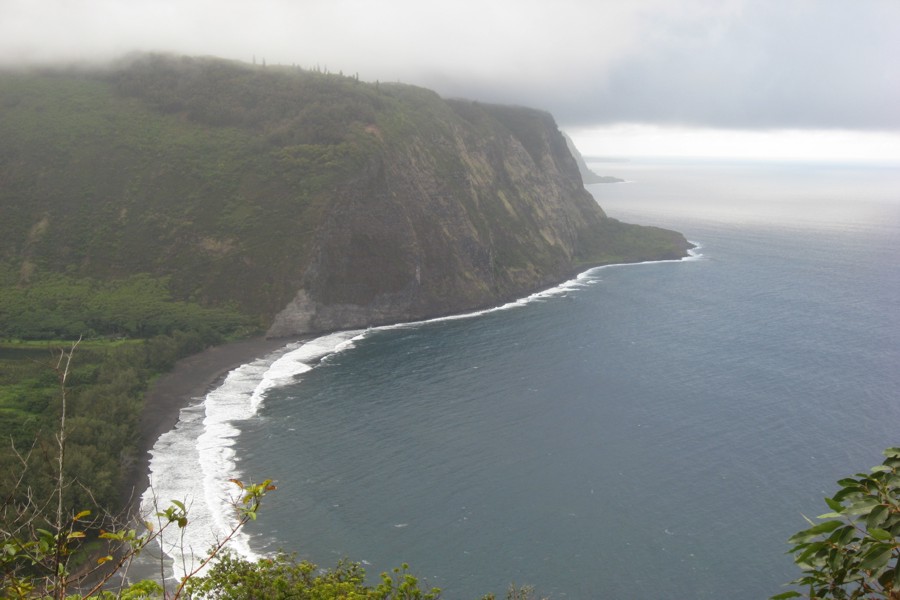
x=727, y=64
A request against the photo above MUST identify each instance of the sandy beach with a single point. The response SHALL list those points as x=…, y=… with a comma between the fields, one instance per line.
x=191, y=379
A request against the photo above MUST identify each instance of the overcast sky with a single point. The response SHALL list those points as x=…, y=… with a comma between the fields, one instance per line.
x=640, y=68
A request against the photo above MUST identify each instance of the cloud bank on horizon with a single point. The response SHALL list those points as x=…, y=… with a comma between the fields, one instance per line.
x=726, y=64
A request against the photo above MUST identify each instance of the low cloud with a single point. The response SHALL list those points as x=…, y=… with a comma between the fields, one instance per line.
x=734, y=64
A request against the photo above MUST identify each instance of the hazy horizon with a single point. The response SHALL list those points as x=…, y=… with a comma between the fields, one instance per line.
x=650, y=77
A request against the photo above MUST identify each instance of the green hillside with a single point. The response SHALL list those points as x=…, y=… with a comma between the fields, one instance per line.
x=211, y=192
x=235, y=186
x=165, y=204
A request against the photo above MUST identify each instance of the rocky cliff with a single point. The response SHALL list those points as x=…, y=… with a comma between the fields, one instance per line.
x=486, y=207
x=310, y=201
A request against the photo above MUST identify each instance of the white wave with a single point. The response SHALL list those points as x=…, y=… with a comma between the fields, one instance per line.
x=286, y=369
x=194, y=462
x=581, y=280
x=694, y=253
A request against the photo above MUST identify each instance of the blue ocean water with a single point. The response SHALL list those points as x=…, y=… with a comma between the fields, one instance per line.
x=652, y=430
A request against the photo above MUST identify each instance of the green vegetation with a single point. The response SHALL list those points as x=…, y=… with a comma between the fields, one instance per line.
x=205, y=175
x=48, y=550
x=233, y=578
x=231, y=186
x=854, y=551
x=133, y=330
x=106, y=385
x=55, y=306
x=167, y=204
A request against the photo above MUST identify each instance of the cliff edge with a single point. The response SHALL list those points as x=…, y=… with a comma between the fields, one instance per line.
x=305, y=200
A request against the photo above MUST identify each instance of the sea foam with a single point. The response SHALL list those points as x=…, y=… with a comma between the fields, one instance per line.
x=194, y=462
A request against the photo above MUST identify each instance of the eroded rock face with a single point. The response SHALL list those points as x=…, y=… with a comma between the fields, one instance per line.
x=304, y=201
x=486, y=207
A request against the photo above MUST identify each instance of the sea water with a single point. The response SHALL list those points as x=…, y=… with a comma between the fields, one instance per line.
x=653, y=430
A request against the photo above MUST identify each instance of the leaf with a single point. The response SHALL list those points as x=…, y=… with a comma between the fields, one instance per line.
x=876, y=558
x=880, y=534
x=861, y=506
x=847, y=492
x=887, y=579
x=811, y=552
x=877, y=516
x=179, y=505
x=816, y=530
x=848, y=534
x=81, y=515
x=834, y=504
x=826, y=527
x=785, y=595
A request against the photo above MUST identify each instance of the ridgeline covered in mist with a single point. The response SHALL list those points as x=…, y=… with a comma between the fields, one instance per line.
x=164, y=204
x=288, y=200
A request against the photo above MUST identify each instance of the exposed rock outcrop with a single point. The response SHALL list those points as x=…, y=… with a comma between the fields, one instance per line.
x=489, y=207
x=305, y=201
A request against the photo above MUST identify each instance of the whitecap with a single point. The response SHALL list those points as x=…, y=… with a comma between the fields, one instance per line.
x=194, y=462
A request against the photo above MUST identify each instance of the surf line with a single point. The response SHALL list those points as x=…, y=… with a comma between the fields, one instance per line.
x=194, y=462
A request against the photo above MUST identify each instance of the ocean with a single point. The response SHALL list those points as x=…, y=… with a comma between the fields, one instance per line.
x=654, y=430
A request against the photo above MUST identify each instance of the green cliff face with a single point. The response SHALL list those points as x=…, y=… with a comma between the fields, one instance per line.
x=307, y=201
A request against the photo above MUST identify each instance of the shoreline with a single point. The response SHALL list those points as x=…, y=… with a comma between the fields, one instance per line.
x=189, y=381
x=192, y=379
x=196, y=375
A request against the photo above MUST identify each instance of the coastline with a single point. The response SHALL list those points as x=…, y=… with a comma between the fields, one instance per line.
x=196, y=375
x=190, y=380
x=201, y=377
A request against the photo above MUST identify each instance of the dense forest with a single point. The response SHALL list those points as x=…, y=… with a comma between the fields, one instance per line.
x=162, y=205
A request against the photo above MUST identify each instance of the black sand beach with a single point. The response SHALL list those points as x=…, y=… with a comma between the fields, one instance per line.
x=189, y=381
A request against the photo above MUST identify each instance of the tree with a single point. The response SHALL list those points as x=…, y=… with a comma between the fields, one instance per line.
x=283, y=576
x=854, y=551
x=47, y=549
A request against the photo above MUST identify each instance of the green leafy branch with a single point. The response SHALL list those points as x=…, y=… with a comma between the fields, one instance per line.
x=853, y=552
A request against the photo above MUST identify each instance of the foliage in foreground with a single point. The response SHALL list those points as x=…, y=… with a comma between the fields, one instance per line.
x=283, y=576
x=853, y=552
x=234, y=578
x=105, y=387
x=47, y=550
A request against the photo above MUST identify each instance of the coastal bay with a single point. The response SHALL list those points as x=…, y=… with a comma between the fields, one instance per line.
x=578, y=440
x=188, y=382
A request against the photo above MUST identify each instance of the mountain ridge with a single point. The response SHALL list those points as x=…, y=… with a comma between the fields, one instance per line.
x=304, y=201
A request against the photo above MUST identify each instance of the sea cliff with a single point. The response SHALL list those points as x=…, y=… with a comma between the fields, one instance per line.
x=303, y=200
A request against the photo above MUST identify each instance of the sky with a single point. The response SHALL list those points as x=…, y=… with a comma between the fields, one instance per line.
x=744, y=78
